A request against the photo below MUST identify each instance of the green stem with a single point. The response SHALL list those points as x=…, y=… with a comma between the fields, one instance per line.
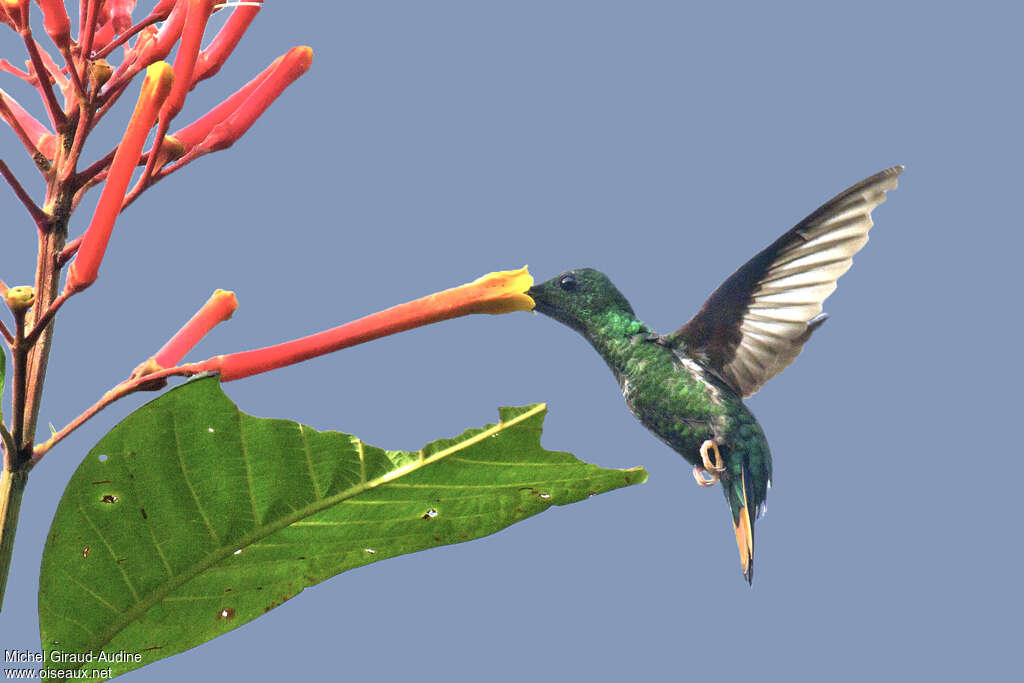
x=12, y=486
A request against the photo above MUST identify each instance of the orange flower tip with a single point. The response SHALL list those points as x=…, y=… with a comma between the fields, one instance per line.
x=305, y=54
x=227, y=299
x=503, y=292
x=20, y=298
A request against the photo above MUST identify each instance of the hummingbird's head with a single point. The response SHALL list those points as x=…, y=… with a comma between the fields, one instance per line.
x=578, y=298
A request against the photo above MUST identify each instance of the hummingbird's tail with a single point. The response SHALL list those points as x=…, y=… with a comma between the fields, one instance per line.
x=740, y=496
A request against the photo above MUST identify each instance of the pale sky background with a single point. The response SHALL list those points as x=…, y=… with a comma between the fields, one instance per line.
x=663, y=143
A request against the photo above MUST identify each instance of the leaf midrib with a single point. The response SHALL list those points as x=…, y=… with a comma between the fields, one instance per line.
x=140, y=608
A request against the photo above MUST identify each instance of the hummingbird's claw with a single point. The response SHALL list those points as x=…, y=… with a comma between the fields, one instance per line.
x=715, y=465
x=704, y=477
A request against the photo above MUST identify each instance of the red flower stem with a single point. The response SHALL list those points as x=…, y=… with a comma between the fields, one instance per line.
x=9, y=337
x=87, y=29
x=8, y=114
x=46, y=317
x=129, y=34
x=53, y=108
x=82, y=130
x=123, y=389
x=96, y=167
x=146, y=179
x=19, y=356
x=40, y=218
x=76, y=80
x=69, y=251
x=107, y=99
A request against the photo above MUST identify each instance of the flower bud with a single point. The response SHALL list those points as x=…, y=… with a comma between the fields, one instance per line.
x=20, y=299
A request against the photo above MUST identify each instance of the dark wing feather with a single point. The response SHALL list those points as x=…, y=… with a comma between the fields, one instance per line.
x=756, y=322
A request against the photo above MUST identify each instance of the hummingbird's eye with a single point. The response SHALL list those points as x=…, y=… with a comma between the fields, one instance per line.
x=568, y=283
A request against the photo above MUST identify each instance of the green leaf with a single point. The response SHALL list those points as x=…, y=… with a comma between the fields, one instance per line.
x=191, y=518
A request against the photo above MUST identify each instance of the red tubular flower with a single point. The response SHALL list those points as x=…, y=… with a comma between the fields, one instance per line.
x=38, y=137
x=188, y=51
x=216, y=310
x=293, y=64
x=224, y=43
x=118, y=13
x=194, y=133
x=495, y=293
x=56, y=22
x=86, y=266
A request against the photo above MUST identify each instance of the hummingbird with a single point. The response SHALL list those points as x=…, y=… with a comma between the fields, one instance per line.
x=688, y=387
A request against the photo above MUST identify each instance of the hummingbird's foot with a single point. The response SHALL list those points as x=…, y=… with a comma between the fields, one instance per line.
x=704, y=477
x=715, y=465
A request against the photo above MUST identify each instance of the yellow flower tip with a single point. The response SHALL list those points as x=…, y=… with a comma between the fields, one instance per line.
x=304, y=55
x=159, y=79
x=20, y=298
x=227, y=300
x=503, y=292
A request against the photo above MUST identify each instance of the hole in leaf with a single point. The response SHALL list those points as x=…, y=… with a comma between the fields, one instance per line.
x=430, y=514
x=545, y=496
x=85, y=552
x=370, y=551
x=226, y=613
x=211, y=430
x=109, y=498
x=238, y=552
x=143, y=511
x=103, y=458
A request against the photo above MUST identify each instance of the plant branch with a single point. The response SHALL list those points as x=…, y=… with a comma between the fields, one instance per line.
x=46, y=317
x=128, y=386
x=96, y=167
x=76, y=80
x=128, y=35
x=53, y=108
x=87, y=26
x=40, y=218
x=20, y=362
x=10, y=343
x=46, y=285
x=37, y=156
x=12, y=487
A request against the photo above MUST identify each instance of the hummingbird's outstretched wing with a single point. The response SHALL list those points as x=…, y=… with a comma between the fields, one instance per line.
x=756, y=322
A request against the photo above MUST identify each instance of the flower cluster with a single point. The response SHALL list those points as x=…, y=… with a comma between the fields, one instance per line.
x=79, y=81
x=78, y=94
